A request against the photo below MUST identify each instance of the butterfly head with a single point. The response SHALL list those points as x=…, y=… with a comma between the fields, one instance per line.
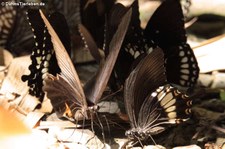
x=142, y=134
x=136, y=133
x=85, y=112
x=81, y=114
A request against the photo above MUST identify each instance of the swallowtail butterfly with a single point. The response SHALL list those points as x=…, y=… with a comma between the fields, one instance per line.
x=65, y=88
x=151, y=104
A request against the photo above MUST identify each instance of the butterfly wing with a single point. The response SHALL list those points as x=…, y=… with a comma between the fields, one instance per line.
x=42, y=56
x=63, y=94
x=148, y=75
x=166, y=105
x=68, y=72
x=166, y=29
x=42, y=48
x=134, y=48
x=89, y=42
x=114, y=48
x=93, y=17
x=70, y=9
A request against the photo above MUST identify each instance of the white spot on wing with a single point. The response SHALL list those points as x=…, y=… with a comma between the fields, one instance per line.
x=166, y=99
x=185, y=77
x=170, y=109
x=44, y=70
x=136, y=54
x=184, y=66
x=184, y=60
x=185, y=71
x=181, y=54
x=172, y=115
x=170, y=103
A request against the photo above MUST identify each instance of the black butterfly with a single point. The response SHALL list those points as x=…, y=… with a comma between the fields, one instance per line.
x=180, y=62
x=151, y=104
x=42, y=56
x=65, y=88
x=166, y=29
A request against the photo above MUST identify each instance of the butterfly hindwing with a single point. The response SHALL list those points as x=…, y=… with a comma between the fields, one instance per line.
x=43, y=59
x=166, y=29
x=165, y=105
x=42, y=48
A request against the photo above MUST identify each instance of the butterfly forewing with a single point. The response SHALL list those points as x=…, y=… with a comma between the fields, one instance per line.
x=68, y=71
x=166, y=29
x=114, y=48
x=148, y=75
x=59, y=24
x=90, y=43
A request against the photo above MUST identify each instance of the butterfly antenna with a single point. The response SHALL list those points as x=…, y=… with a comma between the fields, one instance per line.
x=92, y=128
x=82, y=128
x=152, y=139
x=139, y=142
x=108, y=128
x=102, y=128
x=112, y=94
